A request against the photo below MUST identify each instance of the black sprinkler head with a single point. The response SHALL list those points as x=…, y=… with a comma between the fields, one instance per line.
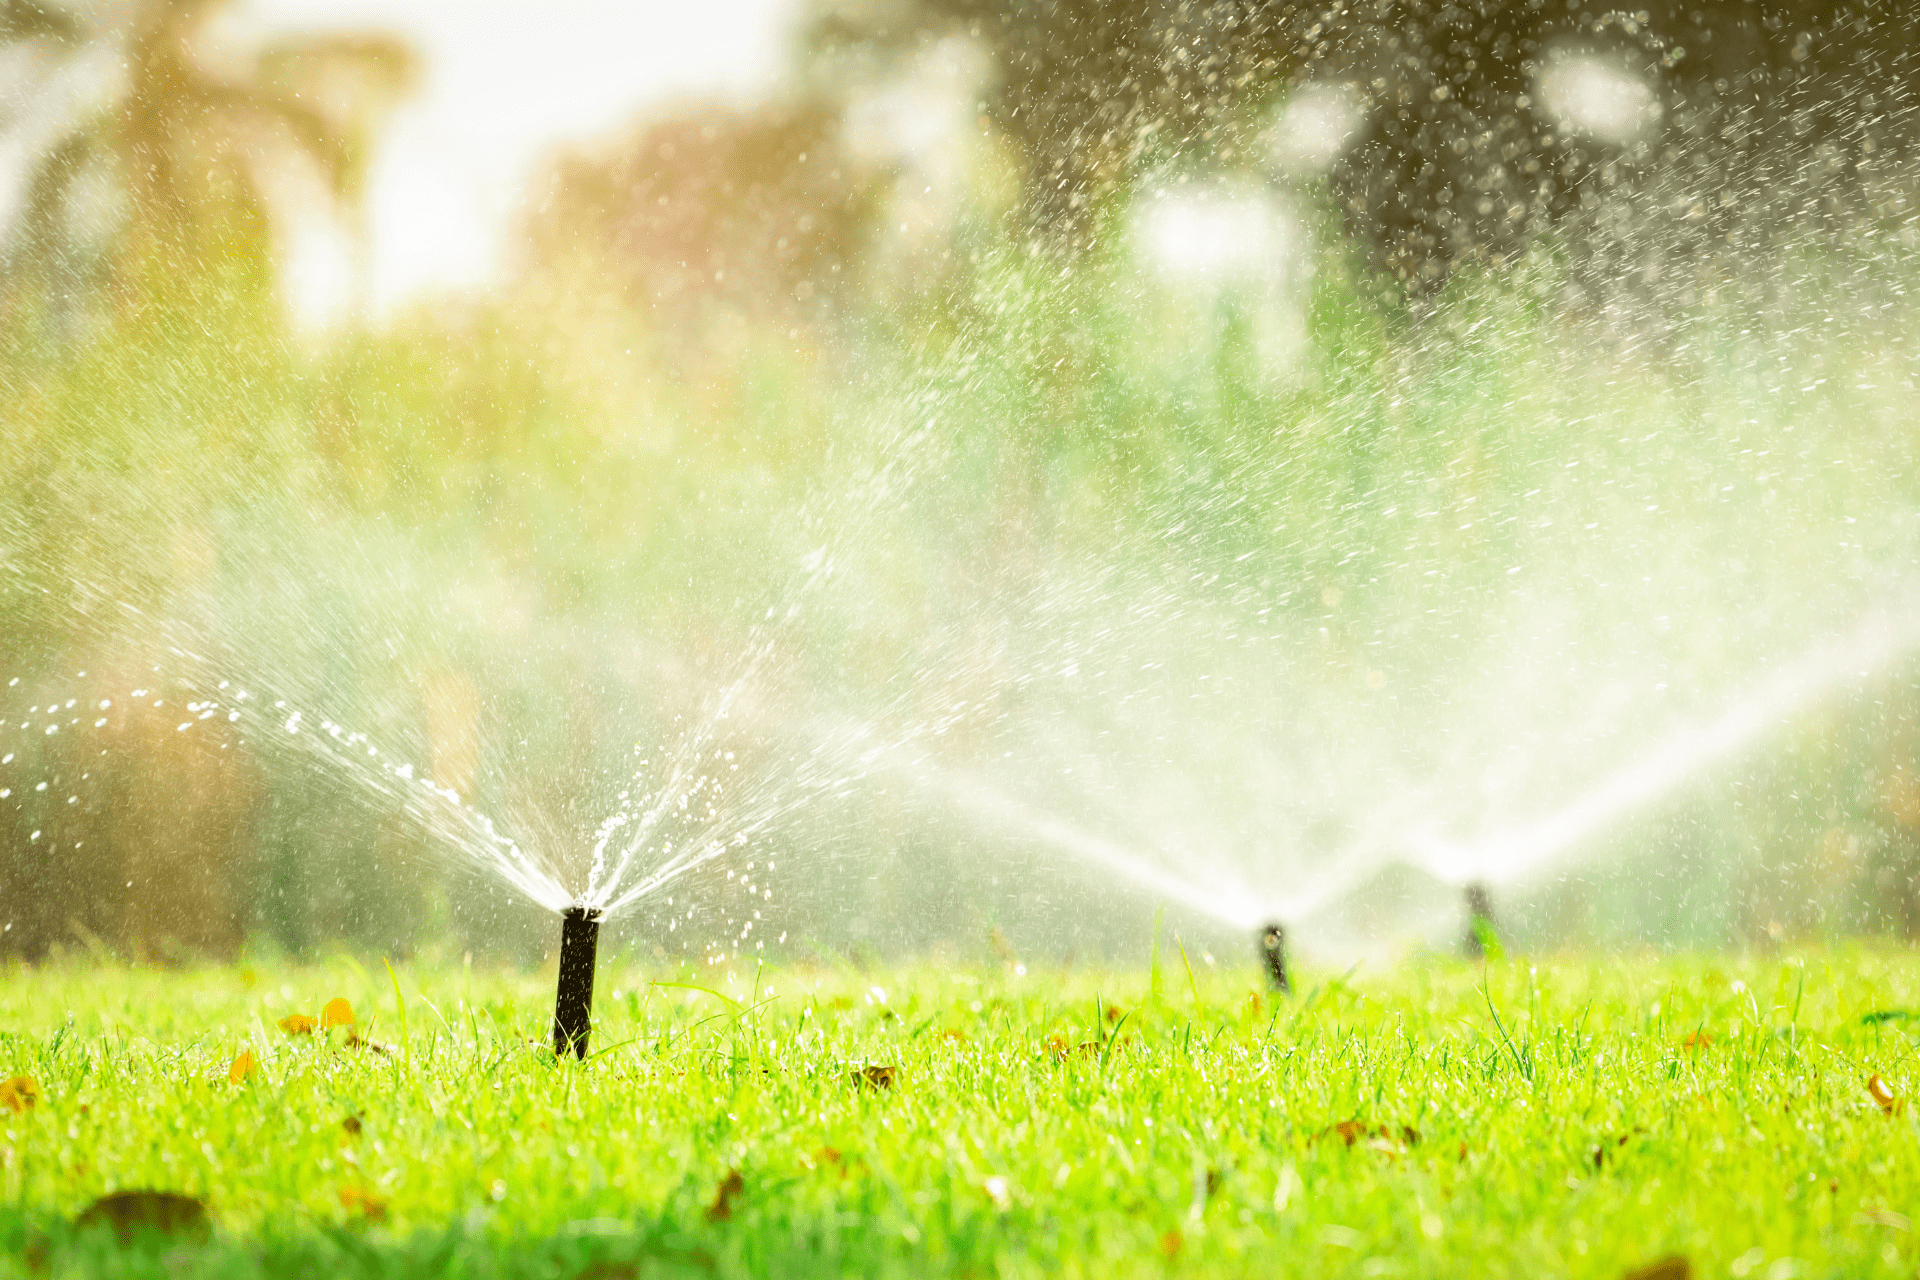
x=1273, y=950
x=573, y=1003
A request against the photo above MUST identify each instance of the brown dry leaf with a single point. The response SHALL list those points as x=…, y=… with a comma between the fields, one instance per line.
x=730, y=1186
x=165, y=1212
x=241, y=1069
x=338, y=1013
x=368, y=1204
x=873, y=1077
x=351, y=1126
x=20, y=1093
x=1352, y=1131
x=821, y=1158
x=298, y=1024
x=1884, y=1096
x=1698, y=1040
x=1060, y=1049
x=357, y=1041
x=1674, y=1268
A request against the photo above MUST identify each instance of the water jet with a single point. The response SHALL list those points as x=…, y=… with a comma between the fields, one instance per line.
x=1273, y=950
x=573, y=1001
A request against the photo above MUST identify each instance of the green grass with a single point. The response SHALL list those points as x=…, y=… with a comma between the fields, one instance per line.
x=1540, y=1119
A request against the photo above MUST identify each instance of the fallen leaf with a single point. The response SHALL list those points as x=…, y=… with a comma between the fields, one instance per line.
x=1115, y=1013
x=352, y=1126
x=1674, y=1268
x=1170, y=1243
x=824, y=1156
x=1061, y=1049
x=1698, y=1040
x=20, y=1093
x=242, y=1068
x=730, y=1186
x=297, y=1024
x=338, y=1013
x=1409, y=1135
x=1889, y=1101
x=357, y=1041
x=1351, y=1130
x=952, y=1034
x=873, y=1077
x=368, y=1204
x=164, y=1212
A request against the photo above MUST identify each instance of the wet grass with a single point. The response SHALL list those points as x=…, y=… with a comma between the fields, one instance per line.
x=1576, y=1117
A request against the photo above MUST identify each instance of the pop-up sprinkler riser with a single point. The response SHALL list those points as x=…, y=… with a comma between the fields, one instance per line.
x=1273, y=952
x=573, y=1002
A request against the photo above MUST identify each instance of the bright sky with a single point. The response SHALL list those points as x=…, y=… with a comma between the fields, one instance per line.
x=504, y=81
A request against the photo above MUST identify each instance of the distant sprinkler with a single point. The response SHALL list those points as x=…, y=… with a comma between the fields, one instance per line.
x=1273, y=950
x=1480, y=937
x=573, y=1002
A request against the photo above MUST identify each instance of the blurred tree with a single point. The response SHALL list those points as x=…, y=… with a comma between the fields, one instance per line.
x=711, y=214
x=167, y=176
x=1455, y=155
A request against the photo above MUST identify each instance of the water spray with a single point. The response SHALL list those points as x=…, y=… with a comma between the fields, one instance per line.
x=573, y=1002
x=1273, y=950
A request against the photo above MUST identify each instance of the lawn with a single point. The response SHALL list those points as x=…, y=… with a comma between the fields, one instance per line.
x=1579, y=1116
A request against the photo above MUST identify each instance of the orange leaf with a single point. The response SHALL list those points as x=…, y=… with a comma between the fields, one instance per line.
x=242, y=1068
x=19, y=1093
x=1697, y=1040
x=1883, y=1095
x=338, y=1013
x=370, y=1204
x=297, y=1024
x=1170, y=1243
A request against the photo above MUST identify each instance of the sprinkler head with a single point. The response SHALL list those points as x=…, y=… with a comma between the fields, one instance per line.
x=1479, y=920
x=1273, y=950
x=573, y=1002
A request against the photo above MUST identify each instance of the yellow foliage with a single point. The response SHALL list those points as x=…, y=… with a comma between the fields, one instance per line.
x=19, y=1093
x=297, y=1024
x=338, y=1013
x=241, y=1069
